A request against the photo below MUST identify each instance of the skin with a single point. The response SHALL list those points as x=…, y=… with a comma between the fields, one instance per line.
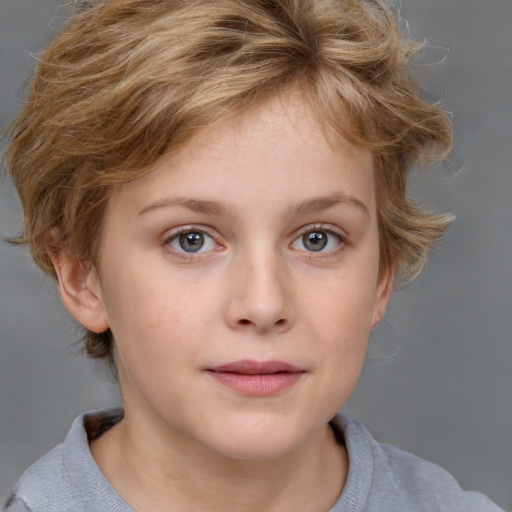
x=254, y=291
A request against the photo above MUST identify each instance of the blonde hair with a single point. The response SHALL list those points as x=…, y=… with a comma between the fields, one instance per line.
x=128, y=81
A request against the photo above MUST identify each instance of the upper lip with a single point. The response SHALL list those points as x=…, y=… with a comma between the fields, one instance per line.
x=251, y=367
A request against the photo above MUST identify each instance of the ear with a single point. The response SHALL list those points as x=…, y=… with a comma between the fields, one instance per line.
x=80, y=290
x=382, y=296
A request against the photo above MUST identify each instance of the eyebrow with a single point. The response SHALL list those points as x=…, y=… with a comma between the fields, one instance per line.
x=308, y=206
x=195, y=205
x=321, y=203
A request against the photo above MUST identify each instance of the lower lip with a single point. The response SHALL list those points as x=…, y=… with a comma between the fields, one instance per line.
x=257, y=385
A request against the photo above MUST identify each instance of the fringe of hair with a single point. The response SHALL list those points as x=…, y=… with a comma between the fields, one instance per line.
x=127, y=82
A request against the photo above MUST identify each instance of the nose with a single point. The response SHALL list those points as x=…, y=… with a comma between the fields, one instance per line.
x=260, y=295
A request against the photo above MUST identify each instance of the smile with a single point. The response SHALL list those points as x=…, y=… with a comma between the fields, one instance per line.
x=253, y=378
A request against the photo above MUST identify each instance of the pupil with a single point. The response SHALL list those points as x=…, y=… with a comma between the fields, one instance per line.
x=191, y=242
x=315, y=241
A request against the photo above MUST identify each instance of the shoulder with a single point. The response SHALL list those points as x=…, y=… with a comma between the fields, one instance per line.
x=67, y=477
x=40, y=483
x=421, y=481
x=387, y=478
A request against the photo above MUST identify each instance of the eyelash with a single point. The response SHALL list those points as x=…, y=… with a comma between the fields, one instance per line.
x=184, y=230
x=189, y=256
x=341, y=242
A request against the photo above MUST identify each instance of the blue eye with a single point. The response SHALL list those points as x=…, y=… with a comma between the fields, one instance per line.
x=192, y=242
x=317, y=240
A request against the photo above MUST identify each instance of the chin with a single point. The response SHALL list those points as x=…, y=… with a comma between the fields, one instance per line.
x=261, y=450
x=257, y=442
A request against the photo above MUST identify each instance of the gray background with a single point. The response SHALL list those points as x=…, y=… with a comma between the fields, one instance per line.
x=447, y=394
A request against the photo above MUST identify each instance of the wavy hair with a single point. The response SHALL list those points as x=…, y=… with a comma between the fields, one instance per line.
x=127, y=82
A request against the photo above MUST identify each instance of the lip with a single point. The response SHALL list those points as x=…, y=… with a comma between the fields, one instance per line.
x=256, y=378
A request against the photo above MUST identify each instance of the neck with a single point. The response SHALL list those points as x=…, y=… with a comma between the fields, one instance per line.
x=156, y=473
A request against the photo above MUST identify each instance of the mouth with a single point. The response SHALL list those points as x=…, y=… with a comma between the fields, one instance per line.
x=255, y=378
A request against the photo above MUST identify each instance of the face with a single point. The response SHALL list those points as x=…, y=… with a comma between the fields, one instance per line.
x=240, y=281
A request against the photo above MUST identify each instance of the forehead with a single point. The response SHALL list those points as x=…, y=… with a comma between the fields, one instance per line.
x=277, y=150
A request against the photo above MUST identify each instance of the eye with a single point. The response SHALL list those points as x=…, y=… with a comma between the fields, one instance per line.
x=191, y=241
x=317, y=240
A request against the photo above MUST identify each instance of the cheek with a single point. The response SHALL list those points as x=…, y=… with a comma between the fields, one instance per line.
x=337, y=325
x=340, y=317
x=345, y=303
x=154, y=316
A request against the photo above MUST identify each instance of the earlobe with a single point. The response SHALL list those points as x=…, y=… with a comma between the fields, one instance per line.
x=80, y=290
x=384, y=290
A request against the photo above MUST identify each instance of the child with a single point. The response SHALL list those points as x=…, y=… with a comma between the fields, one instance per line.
x=219, y=188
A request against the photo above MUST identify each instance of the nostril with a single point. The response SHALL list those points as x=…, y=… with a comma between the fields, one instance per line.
x=281, y=323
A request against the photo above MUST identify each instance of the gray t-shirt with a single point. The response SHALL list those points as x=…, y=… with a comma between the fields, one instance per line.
x=381, y=478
